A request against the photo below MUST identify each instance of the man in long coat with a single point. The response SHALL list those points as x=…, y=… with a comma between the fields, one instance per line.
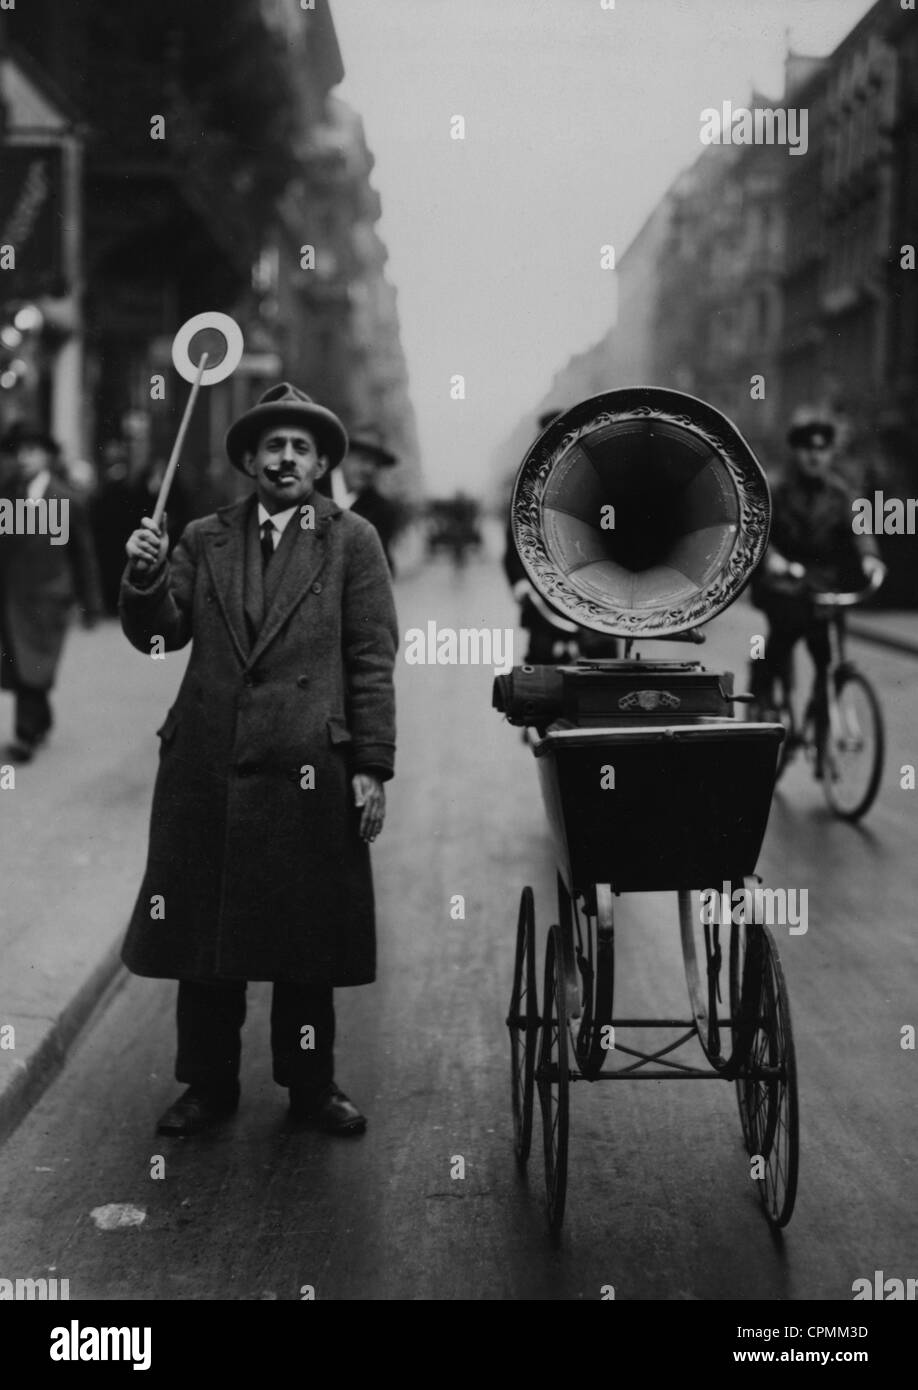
x=272, y=763
x=42, y=577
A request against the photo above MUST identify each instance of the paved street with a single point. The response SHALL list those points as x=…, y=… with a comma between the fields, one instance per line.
x=659, y=1202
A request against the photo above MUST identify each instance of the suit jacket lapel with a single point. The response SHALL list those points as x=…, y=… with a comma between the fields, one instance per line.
x=253, y=584
x=224, y=552
x=305, y=557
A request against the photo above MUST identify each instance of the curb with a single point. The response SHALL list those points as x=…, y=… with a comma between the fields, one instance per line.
x=46, y=1059
x=865, y=633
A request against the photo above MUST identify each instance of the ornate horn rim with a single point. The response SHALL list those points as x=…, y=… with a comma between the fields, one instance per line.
x=674, y=408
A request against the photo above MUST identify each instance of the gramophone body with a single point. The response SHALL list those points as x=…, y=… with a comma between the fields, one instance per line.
x=642, y=513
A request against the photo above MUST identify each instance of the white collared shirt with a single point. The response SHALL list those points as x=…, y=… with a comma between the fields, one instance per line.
x=279, y=522
x=340, y=491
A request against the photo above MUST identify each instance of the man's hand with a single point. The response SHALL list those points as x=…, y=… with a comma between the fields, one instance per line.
x=781, y=568
x=370, y=794
x=147, y=549
x=874, y=569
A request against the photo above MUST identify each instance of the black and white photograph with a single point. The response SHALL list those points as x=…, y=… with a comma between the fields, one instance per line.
x=459, y=650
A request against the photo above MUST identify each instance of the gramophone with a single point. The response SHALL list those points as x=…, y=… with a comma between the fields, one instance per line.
x=642, y=513
x=636, y=513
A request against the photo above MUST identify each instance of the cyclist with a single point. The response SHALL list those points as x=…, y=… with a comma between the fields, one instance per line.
x=813, y=548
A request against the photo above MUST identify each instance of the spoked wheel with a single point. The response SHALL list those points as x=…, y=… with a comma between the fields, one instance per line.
x=597, y=972
x=852, y=762
x=767, y=1085
x=523, y=1023
x=554, y=1082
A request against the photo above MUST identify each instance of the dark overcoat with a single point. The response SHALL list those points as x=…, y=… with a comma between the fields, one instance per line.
x=382, y=514
x=254, y=846
x=39, y=584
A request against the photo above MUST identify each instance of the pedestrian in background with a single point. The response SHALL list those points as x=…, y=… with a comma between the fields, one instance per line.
x=39, y=584
x=354, y=485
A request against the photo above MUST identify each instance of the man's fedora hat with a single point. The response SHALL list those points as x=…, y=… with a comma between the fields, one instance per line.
x=287, y=404
x=368, y=438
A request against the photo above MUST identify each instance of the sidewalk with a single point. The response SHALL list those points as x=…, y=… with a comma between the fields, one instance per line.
x=72, y=846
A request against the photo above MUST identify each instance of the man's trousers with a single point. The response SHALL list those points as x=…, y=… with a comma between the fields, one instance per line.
x=210, y=1015
x=790, y=619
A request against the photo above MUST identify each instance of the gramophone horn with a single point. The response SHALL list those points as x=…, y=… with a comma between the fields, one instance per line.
x=640, y=512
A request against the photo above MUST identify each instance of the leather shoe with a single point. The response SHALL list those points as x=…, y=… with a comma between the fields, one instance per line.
x=196, y=1109
x=20, y=751
x=329, y=1109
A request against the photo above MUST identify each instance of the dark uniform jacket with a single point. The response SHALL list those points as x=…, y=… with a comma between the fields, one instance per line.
x=39, y=584
x=811, y=523
x=262, y=876
x=381, y=514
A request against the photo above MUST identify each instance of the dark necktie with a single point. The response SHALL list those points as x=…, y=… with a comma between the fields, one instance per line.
x=267, y=543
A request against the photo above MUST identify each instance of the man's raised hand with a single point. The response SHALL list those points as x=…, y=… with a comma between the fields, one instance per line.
x=147, y=548
x=874, y=570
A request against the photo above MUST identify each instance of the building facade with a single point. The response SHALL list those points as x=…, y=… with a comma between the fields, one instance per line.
x=764, y=281
x=217, y=172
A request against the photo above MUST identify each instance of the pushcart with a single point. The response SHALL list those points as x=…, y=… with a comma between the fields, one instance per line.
x=649, y=781
x=670, y=835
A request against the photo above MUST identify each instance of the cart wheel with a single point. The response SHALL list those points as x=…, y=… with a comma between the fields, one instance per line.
x=767, y=1085
x=554, y=1082
x=597, y=971
x=852, y=761
x=523, y=1023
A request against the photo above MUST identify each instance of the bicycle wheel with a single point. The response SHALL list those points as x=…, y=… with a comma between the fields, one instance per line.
x=553, y=1080
x=766, y=1088
x=852, y=761
x=523, y=1024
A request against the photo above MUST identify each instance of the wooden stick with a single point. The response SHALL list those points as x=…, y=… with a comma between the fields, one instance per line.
x=172, y=465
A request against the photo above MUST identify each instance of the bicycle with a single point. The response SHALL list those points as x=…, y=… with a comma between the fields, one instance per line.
x=842, y=730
